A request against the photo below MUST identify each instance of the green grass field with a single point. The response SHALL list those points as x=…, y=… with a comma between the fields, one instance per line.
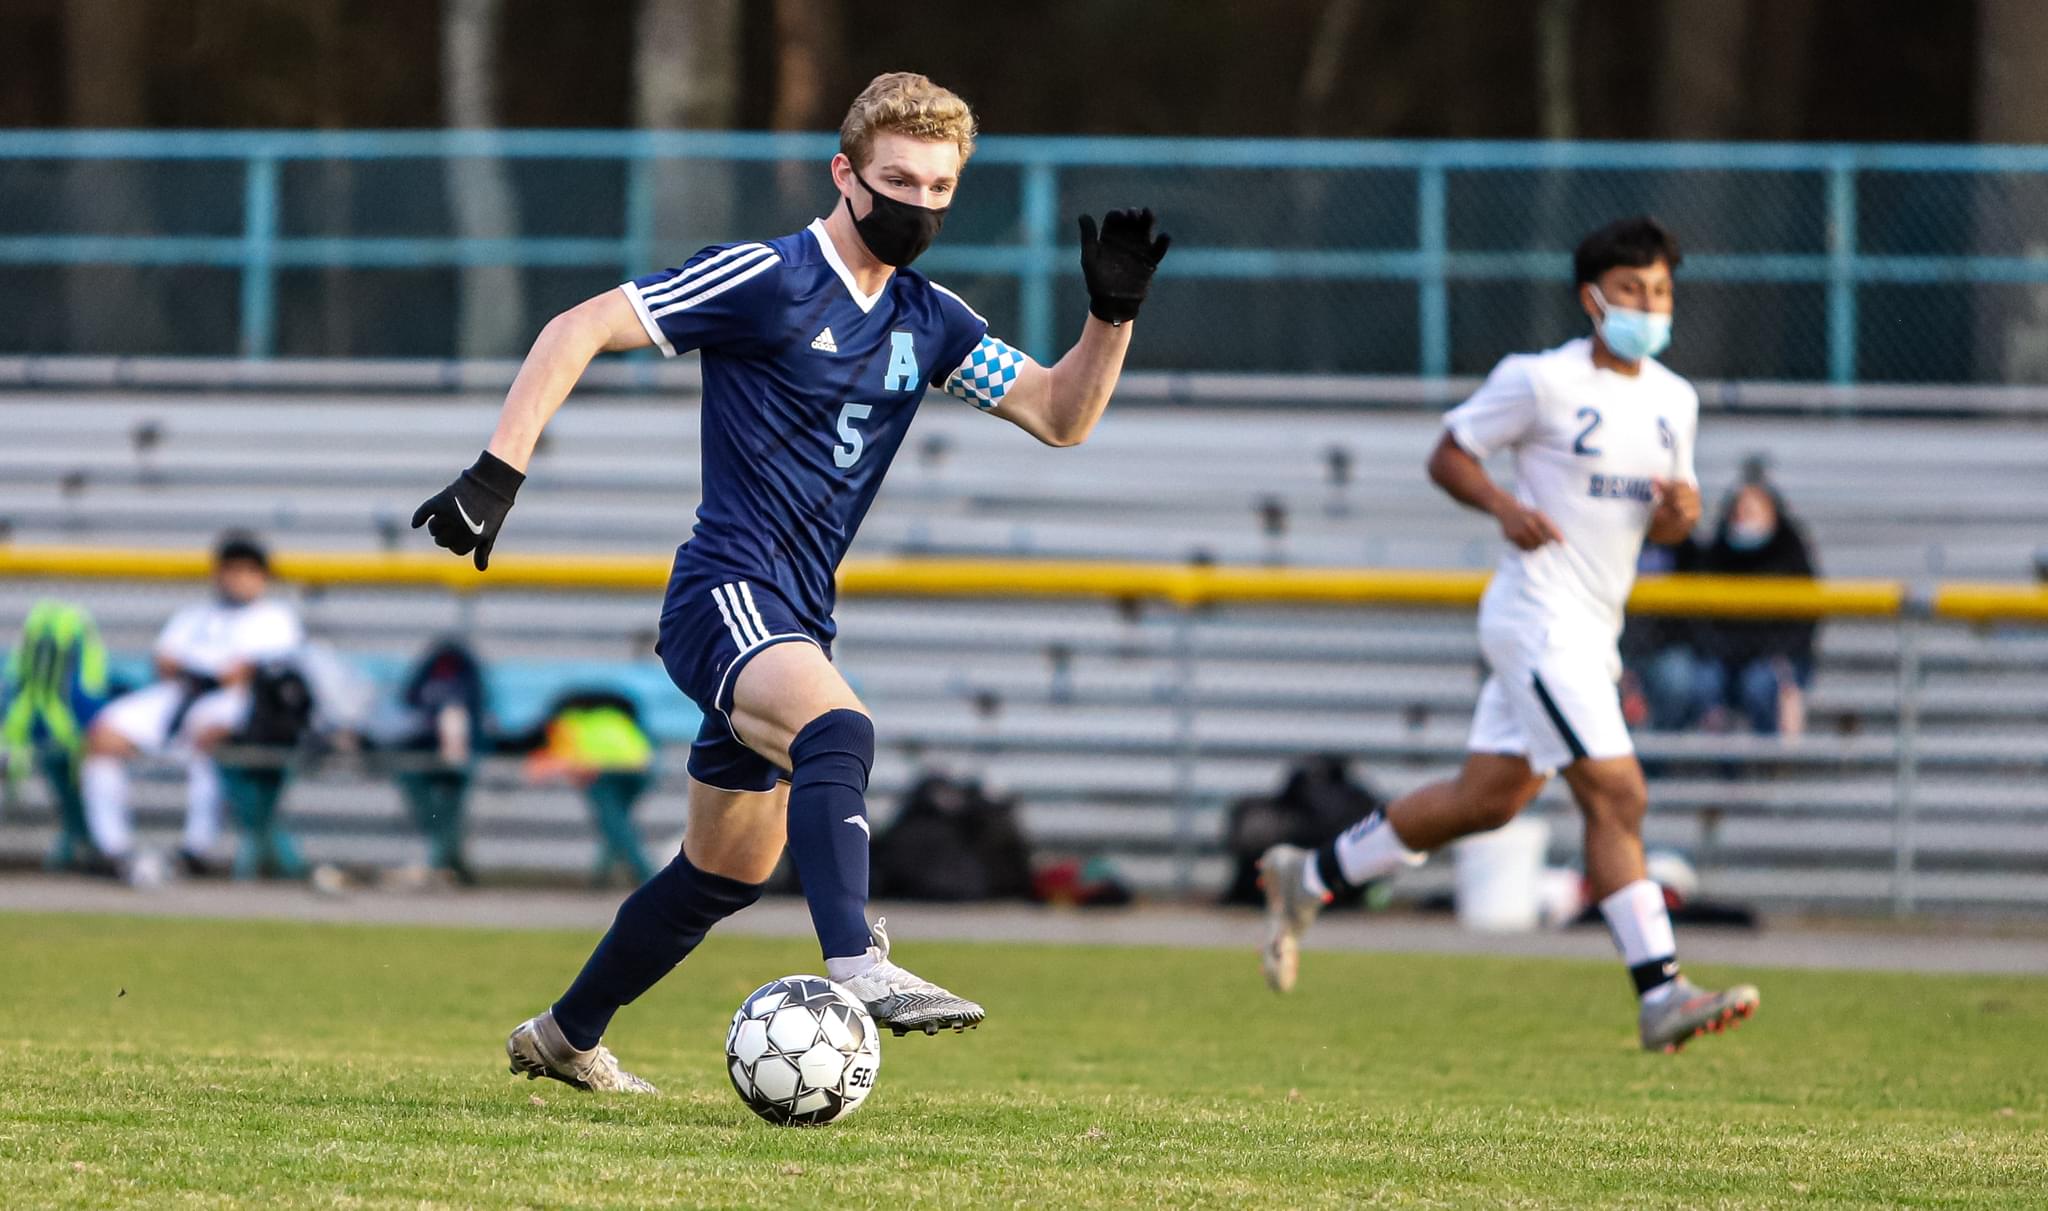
x=172, y=1063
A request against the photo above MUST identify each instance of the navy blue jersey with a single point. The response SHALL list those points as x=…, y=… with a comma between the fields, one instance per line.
x=809, y=388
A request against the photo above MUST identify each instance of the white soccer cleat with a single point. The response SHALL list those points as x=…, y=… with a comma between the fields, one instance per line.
x=1689, y=1011
x=1290, y=910
x=538, y=1049
x=904, y=1002
x=143, y=870
x=327, y=879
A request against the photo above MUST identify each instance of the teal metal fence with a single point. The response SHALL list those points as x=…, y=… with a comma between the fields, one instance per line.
x=1806, y=263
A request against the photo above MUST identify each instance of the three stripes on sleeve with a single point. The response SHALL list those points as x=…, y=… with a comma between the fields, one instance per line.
x=696, y=284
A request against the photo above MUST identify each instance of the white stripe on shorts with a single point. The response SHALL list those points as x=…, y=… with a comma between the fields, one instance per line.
x=735, y=620
x=750, y=619
x=760, y=623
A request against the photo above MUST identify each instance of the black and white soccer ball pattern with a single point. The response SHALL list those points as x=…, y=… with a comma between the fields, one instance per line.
x=802, y=1052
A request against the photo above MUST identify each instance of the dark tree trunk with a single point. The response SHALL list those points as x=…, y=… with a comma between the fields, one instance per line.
x=686, y=73
x=108, y=308
x=2012, y=107
x=807, y=49
x=490, y=299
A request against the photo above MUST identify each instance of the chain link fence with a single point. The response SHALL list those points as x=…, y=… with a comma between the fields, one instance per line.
x=1816, y=264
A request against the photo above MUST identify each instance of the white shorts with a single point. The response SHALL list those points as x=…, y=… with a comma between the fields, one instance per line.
x=1550, y=698
x=144, y=717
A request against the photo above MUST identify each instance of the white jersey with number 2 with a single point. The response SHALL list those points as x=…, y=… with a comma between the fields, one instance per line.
x=1589, y=445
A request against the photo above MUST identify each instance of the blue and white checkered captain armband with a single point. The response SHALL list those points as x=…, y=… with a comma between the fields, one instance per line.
x=987, y=375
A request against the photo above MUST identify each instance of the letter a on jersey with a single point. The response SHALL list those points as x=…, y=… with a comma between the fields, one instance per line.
x=902, y=373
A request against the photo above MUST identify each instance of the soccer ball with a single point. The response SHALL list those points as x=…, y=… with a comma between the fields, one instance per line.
x=802, y=1052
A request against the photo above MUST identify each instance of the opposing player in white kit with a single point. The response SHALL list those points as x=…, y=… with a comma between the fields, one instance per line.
x=1602, y=440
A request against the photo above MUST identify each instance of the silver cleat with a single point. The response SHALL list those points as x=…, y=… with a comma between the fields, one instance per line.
x=904, y=1002
x=1689, y=1011
x=538, y=1049
x=1290, y=910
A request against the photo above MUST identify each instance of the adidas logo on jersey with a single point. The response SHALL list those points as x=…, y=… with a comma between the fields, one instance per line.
x=824, y=343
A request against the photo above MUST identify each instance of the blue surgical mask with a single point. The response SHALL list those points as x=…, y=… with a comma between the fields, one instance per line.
x=1629, y=334
x=1747, y=537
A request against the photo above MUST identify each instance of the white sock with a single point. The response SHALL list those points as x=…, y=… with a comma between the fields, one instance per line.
x=1368, y=850
x=1641, y=926
x=103, y=782
x=1312, y=879
x=843, y=969
x=202, y=806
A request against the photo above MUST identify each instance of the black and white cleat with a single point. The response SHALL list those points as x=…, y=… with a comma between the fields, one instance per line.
x=903, y=1002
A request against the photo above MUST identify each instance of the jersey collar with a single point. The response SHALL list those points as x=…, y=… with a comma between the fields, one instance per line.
x=866, y=302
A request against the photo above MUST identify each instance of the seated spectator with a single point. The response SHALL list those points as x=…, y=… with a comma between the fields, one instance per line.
x=205, y=659
x=443, y=704
x=594, y=739
x=1758, y=670
x=1656, y=650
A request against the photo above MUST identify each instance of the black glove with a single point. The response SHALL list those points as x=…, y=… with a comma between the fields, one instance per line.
x=1119, y=263
x=466, y=515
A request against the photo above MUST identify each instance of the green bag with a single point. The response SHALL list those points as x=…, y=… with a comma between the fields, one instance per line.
x=55, y=679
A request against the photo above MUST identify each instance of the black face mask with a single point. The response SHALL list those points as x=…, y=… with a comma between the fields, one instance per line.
x=897, y=233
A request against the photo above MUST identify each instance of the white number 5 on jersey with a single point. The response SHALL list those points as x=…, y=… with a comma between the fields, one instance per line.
x=852, y=443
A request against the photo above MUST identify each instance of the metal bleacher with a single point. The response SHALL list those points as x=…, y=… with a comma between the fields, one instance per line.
x=1957, y=499
x=1125, y=728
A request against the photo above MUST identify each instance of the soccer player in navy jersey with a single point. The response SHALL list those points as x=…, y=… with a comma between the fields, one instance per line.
x=817, y=348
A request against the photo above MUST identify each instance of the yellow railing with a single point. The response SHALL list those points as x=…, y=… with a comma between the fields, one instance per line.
x=1181, y=584
x=1967, y=602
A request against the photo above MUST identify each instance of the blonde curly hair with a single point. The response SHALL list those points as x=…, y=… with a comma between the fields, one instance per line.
x=905, y=103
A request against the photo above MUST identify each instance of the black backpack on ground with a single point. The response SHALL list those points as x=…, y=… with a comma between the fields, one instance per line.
x=952, y=840
x=1319, y=800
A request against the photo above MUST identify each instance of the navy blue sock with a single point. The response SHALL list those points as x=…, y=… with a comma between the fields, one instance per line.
x=656, y=928
x=828, y=826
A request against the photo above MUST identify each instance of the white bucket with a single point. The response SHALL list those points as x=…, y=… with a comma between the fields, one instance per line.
x=1500, y=877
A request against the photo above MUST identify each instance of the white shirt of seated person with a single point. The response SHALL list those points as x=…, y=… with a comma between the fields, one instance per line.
x=214, y=636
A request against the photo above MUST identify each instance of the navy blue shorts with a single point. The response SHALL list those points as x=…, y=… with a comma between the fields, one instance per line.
x=712, y=624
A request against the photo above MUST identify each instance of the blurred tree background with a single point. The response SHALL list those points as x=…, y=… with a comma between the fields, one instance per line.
x=1877, y=70
x=1937, y=71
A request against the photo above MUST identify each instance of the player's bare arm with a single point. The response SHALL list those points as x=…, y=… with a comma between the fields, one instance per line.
x=560, y=354
x=1061, y=404
x=1677, y=510
x=1464, y=479
x=465, y=517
